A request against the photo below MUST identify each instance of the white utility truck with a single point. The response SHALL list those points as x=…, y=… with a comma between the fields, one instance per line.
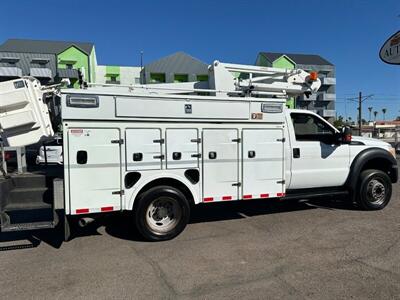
x=159, y=149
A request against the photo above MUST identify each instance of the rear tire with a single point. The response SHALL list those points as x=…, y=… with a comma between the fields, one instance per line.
x=375, y=190
x=161, y=213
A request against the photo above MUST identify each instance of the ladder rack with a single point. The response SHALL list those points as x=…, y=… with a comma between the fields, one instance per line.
x=235, y=80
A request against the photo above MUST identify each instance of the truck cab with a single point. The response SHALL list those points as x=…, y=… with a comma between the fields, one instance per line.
x=320, y=157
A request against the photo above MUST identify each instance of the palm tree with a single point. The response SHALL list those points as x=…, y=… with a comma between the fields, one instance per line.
x=384, y=112
x=375, y=114
x=370, y=111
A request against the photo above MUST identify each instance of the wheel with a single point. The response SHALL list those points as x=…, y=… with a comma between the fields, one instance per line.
x=161, y=213
x=375, y=190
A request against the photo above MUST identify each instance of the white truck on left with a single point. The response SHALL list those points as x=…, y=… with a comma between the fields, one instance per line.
x=159, y=149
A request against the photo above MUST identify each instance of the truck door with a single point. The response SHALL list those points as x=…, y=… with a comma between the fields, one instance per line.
x=182, y=148
x=143, y=149
x=94, y=169
x=220, y=164
x=263, y=163
x=316, y=160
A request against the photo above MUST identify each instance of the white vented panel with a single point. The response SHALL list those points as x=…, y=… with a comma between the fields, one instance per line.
x=24, y=116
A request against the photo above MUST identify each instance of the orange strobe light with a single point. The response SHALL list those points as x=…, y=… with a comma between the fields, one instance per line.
x=313, y=76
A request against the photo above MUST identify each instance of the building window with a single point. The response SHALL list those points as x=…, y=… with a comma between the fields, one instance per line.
x=157, y=77
x=181, y=78
x=202, y=77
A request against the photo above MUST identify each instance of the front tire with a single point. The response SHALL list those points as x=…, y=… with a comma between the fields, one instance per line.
x=162, y=213
x=375, y=190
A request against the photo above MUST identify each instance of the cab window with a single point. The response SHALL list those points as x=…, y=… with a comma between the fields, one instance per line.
x=308, y=127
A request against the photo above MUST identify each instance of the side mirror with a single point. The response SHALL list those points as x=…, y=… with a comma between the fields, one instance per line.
x=346, y=135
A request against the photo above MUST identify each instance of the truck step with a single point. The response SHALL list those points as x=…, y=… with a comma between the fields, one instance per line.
x=26, y=206
x=29, y=180
x=29, y=195
x=32, y=214
x=8, y=226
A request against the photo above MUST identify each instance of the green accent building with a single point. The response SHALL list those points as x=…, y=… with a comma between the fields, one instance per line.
x=51, y=61
x=74, y=58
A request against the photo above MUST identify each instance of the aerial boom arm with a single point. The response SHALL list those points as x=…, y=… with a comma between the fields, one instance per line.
x=259, y=80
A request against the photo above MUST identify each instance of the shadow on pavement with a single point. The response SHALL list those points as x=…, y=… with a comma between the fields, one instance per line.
x=122, y=225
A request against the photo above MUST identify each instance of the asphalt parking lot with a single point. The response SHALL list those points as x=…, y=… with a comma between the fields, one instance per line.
x=253, y=250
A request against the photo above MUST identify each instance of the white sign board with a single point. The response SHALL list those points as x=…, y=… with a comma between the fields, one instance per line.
x=390, y=51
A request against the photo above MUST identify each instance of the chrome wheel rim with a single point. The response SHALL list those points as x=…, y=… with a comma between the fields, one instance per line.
x=376, y=191
x=163, y=215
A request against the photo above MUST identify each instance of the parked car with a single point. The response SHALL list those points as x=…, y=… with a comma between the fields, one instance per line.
x=10, y=156
x=53, y=153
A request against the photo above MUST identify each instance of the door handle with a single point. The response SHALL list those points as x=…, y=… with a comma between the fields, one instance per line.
x=296, y=152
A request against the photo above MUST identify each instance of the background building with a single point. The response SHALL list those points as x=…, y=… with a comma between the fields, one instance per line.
x=177, y=67
x=323, y=102
x=118, y=75
x=51, y=61
x=48, y=61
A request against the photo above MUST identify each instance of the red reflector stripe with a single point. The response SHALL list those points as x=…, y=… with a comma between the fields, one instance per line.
x=107, y=208
x=82, y=211
x=247, y=196
x=226, y=197
x=208, y=199
x=280, y=195
x=264, y=195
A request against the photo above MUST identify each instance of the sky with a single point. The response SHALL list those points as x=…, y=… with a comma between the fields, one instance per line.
x=347, y=33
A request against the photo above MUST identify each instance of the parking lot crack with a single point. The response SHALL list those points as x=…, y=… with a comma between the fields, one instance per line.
x=162, y=278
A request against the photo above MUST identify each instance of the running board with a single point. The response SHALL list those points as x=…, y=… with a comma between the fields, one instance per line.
x=314, y=193
x=7, y=226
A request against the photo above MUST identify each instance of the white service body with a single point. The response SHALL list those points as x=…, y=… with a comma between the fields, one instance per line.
x=234, y=141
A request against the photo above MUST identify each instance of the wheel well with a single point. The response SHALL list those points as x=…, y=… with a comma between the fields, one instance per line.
x=379, y=164
x=170, y=182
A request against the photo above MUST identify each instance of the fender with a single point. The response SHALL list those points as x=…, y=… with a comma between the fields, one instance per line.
x=132, y=193
x=388, y=162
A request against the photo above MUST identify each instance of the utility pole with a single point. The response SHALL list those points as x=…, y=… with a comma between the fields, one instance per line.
x=141, y=68
x=360, y=99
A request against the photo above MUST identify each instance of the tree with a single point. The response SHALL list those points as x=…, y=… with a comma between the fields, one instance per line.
x=350, y=120
x=398, y=118
x=338, y=123
x=370, y=111
x=375, y=114
x=384, y=112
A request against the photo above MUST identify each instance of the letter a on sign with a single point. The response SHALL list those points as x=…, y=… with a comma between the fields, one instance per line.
x=390, y=51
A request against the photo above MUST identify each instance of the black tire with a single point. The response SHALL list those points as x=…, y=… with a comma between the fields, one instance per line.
x=375, y=190
x=159, y=205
